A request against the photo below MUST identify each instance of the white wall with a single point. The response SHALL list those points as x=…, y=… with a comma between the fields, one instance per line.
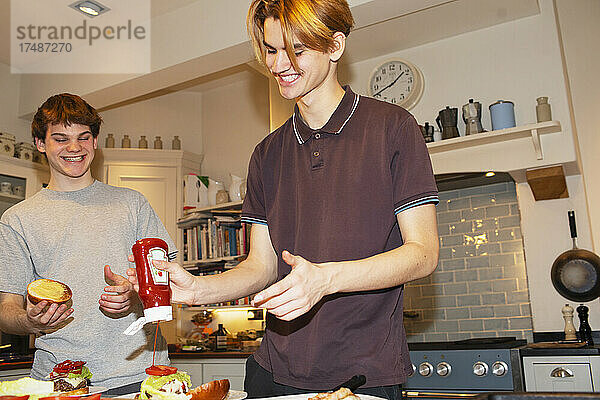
x=235, y=118
x=9, y=104
x=579, y=24
x=165, y=116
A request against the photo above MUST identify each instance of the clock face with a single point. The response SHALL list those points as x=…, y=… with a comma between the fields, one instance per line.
x=397, y=82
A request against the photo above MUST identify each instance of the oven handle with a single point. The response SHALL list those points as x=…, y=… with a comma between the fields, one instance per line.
x=561, y=372
x=409, y=394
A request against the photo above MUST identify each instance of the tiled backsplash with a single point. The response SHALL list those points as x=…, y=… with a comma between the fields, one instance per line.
x=479, y=288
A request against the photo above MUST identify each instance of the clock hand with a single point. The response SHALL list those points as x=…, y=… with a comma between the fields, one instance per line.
x=388, y=86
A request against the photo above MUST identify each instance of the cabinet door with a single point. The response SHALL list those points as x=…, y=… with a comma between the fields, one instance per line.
x=158, y=184
x=14, y=374
x=233, y=371
x=543, y=376
x=194, y=369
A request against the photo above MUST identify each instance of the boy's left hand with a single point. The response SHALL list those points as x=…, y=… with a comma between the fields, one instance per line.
x=119, y=296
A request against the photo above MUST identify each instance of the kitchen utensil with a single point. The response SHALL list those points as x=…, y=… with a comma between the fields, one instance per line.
x=447, y=121
x=567, y=312
x=472, y=117
x=576, y=272
x=542, y=110
x=353, y=383
x=585, y=331
x=502, y=113
x=427, y=131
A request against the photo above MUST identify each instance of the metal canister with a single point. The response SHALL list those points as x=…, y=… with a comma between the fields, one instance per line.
x=502, y=114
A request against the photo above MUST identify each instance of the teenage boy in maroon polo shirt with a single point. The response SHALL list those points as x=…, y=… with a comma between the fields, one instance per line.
x=341, y=198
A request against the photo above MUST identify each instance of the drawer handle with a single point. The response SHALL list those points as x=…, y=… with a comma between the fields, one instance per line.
x=561, y=372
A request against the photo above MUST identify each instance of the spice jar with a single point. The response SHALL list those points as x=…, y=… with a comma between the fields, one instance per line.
x=143, y=143
x=110, y=141
x=126, y=142
x=157, y=143
x=542, y=110
x=176, y=143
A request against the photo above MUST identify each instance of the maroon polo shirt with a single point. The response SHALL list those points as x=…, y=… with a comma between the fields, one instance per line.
x=332, y=194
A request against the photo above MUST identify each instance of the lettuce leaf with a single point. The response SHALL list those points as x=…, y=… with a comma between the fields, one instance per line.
x=152, y=384
x=85, y=374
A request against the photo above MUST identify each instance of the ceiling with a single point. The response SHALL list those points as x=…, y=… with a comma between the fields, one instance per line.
x=158, y=7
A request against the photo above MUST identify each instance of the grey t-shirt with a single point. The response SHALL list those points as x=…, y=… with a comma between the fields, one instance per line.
x=70, y=237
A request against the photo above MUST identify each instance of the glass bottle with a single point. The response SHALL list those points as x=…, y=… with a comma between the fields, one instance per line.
x=110, y=141
x=176, y=143
x=126, y=142
x=157, y=143
x=542, y=109
x=221, y=335
x=143, y=144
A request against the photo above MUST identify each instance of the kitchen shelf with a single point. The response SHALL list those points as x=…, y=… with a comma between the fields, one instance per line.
x=195, y=263
x=530, y=130
x=10, y=197
x=219, y=207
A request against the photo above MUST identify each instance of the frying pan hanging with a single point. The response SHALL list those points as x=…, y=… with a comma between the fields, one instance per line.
x=576, y=272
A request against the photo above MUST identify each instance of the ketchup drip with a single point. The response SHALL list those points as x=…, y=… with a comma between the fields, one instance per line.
x=155, y=336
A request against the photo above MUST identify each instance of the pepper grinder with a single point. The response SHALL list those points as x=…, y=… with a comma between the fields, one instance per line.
x=567, y=312
x=585, y=331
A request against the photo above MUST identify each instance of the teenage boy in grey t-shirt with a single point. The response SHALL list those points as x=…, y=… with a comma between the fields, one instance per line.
x=78, y=231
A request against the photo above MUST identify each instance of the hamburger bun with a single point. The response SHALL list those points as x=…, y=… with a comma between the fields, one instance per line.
x=215, y=390
x=49, y=290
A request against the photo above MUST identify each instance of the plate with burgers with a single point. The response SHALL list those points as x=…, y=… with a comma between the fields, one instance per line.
x=73, y=377
x=167, y=383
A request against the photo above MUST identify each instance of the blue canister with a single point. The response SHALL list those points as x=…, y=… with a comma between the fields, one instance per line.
x=502, y=114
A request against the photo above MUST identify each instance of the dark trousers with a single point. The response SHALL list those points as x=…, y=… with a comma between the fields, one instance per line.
x=259, y=383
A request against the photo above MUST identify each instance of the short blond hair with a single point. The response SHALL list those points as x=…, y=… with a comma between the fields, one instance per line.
x=314, y=22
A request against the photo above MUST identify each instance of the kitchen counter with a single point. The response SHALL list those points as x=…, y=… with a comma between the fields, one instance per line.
x=209, y=354
x=175, y=355
x=581, y=351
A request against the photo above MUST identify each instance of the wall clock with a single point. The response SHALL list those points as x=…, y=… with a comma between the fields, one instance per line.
x=397, y=82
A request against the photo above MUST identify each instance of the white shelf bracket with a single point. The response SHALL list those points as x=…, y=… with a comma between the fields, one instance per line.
x=535, y=137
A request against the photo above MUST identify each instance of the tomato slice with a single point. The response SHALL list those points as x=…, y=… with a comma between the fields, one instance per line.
x=25, y=397
x=95, y=396
x=160, y=370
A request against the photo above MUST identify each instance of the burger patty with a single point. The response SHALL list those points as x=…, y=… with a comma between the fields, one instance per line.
x=61, y=385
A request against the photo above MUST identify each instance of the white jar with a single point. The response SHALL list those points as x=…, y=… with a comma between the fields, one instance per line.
x=7, y=144
x=24, y=151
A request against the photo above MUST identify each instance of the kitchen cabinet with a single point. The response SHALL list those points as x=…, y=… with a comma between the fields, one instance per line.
x=206, y=370
x=14, y=374
x=21, y=172
x=562, y=373
x=157, y=174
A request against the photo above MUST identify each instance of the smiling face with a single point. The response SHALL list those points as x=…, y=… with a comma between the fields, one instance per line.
x=316, y=69
x=70, y=151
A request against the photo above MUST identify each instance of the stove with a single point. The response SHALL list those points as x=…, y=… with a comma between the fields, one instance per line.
x=464, y=367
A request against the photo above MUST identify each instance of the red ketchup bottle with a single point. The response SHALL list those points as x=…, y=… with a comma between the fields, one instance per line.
x=154, y=283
